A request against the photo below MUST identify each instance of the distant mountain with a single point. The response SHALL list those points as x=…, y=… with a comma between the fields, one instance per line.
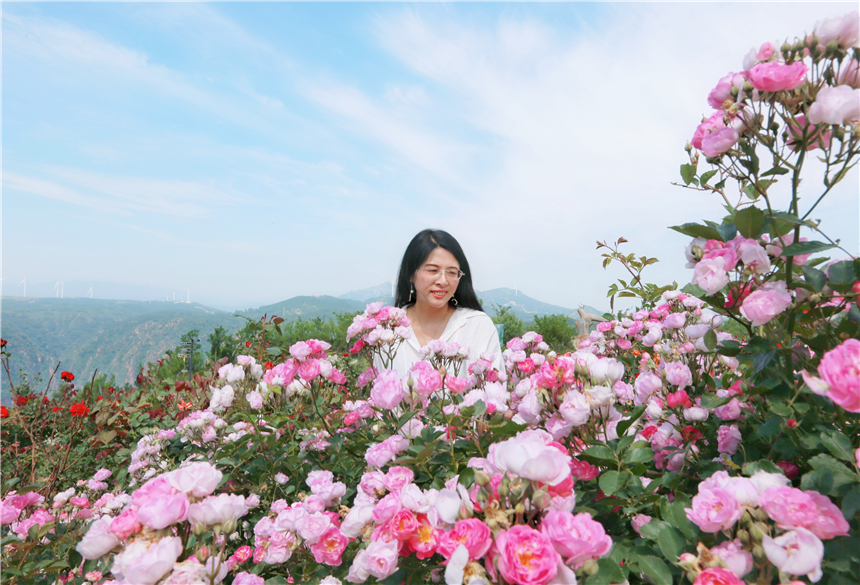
x=306, y=308
x=365, y=295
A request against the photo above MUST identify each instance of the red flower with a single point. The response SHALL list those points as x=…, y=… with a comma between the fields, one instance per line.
x=56, y=409
x=45, y=400
x=3, y=342
x=67, y=376
x=4, y=412
x=790, y=469
x=247, y=344
x=791, y=423
x=21, y=400
x=80, y=409
x=692, y=434
x=648, y=431
x=268, y=366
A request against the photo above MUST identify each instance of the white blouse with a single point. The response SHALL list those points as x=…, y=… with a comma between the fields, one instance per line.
x=467, y=327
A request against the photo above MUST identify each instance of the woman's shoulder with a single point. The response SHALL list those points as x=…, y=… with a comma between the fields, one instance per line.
x=473, y=318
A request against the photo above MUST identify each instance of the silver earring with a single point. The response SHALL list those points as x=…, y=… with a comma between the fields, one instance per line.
x=454, y=301
x=411, y=291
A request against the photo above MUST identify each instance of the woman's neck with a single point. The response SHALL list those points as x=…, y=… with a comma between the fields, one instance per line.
x=424, y=313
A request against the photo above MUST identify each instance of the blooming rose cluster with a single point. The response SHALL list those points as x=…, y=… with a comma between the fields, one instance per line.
x=769, y=70
x=839, y=373
x=309, y=363
x=377, y=326
x=143, y=532
x=801, y=520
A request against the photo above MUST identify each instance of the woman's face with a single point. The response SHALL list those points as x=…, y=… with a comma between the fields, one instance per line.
x=433, y=285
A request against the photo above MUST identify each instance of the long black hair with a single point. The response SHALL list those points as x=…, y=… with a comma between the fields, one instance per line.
x=416, y=254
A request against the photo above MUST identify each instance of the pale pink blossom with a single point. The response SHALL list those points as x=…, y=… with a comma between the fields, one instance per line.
x=143, y=562
x=576, y=538
x=387, y=390
x=762, y=305
x=835, y=105
x=797, y=552
x=98, y=541
x=710, y=276
x=380, y=559
x=678, y=374
x=738, y=560
x=844, y=30
x=528, y=456
x=197, y=479
x=125, y=524
x=840, y=370
x=714, y=510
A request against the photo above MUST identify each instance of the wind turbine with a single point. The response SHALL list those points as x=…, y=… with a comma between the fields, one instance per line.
x=24, y=282
x=57, y=289
x=189, y=296
x=62, y=288
x=90, y=292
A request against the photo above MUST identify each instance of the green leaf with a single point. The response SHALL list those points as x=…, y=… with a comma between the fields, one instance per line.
x=639, y=456
x=601, y=452
x=728, y=347
x=671, y=543
x=801, y=248
x=727, y=231
x=851, y=503
x=608, y=572
x=749, y=221
x=695, y=230
x=839, y=445
x=656, y=569
x=277, y=580
x=754, y=467
x=814, y=277
x=751, y=192
x=106, y=436
x=780, y=409
x=706, y=176
x=611, y=481
x=770, y=428
x=711, y=340
x=688, y=171
x=775, y=171
x=841, y=273
x=634, y=415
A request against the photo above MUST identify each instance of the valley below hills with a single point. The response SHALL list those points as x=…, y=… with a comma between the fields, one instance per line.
x=117, y=337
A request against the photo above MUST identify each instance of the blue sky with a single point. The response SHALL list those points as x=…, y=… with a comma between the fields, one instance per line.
x=246, y=153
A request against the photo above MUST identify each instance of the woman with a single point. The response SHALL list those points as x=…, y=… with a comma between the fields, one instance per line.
x=435, y=286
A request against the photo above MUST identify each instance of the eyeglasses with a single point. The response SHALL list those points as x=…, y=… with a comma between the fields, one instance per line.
x=452, y=274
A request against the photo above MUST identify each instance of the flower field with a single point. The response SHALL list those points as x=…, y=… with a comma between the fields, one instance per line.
x=711, y=435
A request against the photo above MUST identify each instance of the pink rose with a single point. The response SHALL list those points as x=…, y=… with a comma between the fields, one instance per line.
x=245, y=578
x=313, y=526
x=125, y=524
x=717, y=576
x=309, y=369
x=723, y=91
x=715, y=122
x=850, y=74
x=161, y=511
x=738, y=560
x=840, y=369
x=387, y=508
x=378, y=454
x=714, y=510
x=835, y=105
x=144, y=562
x=798, y=127
x=678, y=374
x=789, y=506
x=719, y=141
x=576, y=538
x=766, y=303
x=380, y=559
x=710, y=276
x=398, y=477
x=775, y=76
x=198, y=479
x=528, y=456
x=728, y=439
x=472, y=533
x=220, y=510
x=526, y=556
x=640, y=520
x=830, y=522
x=98, y=541
x=8, y=513
x=426, y=380
x=844, y=30
x=330, y=547
x=387, y=391
x=797, y=552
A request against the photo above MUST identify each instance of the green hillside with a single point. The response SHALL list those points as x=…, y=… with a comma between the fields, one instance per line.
x=306, y=308
x=85, y=334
